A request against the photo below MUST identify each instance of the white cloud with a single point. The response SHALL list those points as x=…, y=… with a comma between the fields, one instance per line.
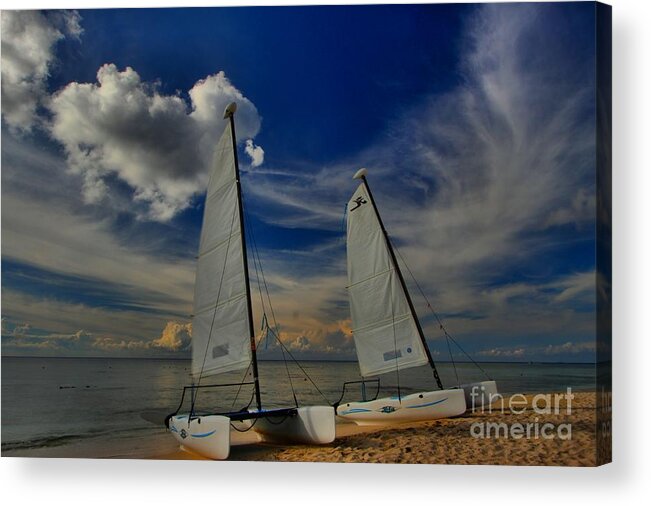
x=28, y=40
x=580, y=211
x=503, y=352
x=256, y=153
x=175, y=337
x=157, y=144
x=566, y=349
x=575, y=286
x=25, y=338
x=570, y=348
x=301, y=343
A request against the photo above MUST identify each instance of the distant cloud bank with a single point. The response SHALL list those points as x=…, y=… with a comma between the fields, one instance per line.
x=174, y=340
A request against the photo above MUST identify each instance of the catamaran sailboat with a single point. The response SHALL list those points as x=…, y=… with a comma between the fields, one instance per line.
x=223, y=338
x=386, y=330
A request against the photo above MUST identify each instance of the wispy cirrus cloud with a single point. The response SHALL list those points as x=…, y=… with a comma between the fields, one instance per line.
x=476, y=183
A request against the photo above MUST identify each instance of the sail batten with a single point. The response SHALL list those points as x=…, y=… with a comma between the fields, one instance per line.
x=220, y=333
x=385, y=331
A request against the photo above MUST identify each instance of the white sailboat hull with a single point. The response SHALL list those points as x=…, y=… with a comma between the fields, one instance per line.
x=208, y=436
x=310, y=425
x=416, y=407
x=480, y=395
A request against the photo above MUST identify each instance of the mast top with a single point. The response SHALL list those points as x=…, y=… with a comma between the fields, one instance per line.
x=360, y=174
x=230, y=110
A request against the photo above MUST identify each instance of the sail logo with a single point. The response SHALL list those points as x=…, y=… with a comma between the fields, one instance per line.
x=359, y=201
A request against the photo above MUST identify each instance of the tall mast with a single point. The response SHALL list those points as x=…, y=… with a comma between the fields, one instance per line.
x=361, y=174
x=229, y=113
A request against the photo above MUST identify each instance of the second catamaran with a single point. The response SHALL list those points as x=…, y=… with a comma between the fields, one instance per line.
x=386, y=330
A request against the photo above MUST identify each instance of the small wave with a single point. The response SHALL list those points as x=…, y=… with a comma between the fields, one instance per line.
x=65, y=439
x=43, y=442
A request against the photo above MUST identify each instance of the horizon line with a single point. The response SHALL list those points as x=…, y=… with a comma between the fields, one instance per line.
x=309, y=360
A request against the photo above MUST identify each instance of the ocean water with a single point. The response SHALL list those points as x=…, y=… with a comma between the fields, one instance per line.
x=101, y=407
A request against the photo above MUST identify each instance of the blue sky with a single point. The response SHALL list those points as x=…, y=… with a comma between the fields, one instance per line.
x=476, y=123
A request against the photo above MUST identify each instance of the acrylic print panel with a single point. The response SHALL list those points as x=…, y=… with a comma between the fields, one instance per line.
x=484, y=131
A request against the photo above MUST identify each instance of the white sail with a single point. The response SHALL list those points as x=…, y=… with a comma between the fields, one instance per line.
x=220, y=328
x=385, y=332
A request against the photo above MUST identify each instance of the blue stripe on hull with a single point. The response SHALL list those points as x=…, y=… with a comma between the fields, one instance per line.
x=428, y=404
x=205, y=434
x=356, y=410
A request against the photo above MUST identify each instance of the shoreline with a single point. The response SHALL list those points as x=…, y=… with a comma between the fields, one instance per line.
x=447, y=441
x=444, y=441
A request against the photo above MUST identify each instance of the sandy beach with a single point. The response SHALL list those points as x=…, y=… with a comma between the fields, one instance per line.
x=569, y=440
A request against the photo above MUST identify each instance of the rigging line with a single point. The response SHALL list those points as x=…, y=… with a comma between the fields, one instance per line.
x=299, y=366
x=256, y=253
x=264, y=280
x=255, y=266
x=212, y=323
x=257, y=262
x=454, y=366
x=239, y=388
x=445, y=332
x=248, y=368
x=289, y=376
x=466, y=354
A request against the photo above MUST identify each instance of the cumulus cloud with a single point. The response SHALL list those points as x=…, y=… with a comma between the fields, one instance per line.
x=570, y=348
x=503, y=352
x=326, y=341
x=28, y=41
x=301, y=343
x=175, y=337
x=157, y=144
x=119, y=127
x=256, y=153
x=25, y=339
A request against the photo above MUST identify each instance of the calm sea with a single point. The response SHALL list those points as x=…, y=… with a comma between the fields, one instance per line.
x=99, y=407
